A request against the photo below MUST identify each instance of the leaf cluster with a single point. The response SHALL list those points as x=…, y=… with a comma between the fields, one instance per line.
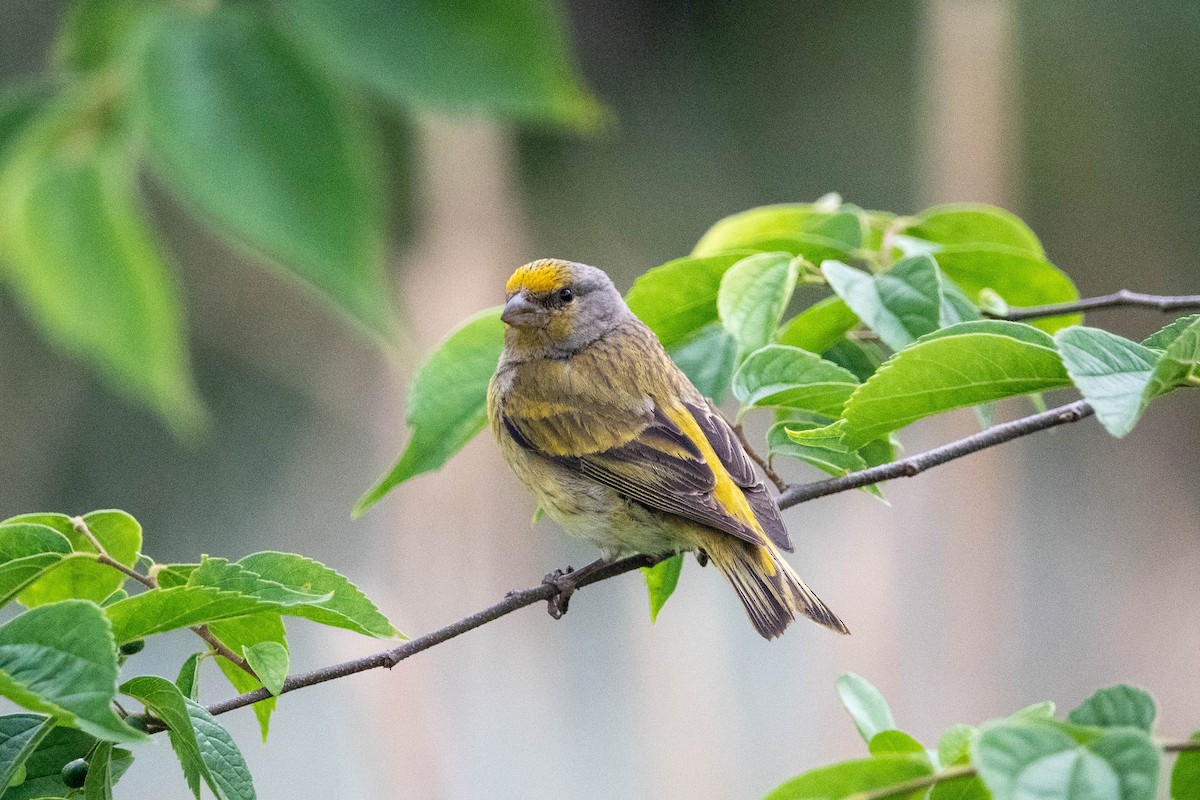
x=267, y=121
x=63, y=656
x=1102, y=751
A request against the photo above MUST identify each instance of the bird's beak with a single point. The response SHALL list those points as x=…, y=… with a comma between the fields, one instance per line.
x=520, y=311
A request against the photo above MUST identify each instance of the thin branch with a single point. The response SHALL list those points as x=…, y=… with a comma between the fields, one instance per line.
x=390, y=658
x=915, y=465
x=792, y=495
x=150, y=582
x=763, y=463
x=1124, y=297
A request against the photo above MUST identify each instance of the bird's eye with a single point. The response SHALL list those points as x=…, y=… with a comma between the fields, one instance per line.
x=566, y=295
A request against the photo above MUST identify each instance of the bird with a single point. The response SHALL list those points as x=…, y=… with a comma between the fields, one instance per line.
x=621, y=450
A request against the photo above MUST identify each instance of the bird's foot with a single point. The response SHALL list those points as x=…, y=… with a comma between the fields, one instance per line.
x=565, y=584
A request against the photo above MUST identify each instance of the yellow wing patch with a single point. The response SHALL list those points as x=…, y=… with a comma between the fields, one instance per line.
x=727, y=493
x=540, y=277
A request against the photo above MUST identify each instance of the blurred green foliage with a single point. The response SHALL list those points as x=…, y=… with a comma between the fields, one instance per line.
x=264, y=120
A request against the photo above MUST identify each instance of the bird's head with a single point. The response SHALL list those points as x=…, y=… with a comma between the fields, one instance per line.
x=560, y=304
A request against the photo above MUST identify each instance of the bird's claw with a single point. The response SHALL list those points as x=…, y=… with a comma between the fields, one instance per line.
x=564, y=585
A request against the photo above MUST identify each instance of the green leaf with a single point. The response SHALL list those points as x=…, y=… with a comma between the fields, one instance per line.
x=61, y=660
x=162, y=610
x=1115, y=707
x=861, y=358
x=83, y=578
x=708, y=358
x=964, y=788
x=866, y=705
x=1161, y=339
x=19, y=106
x=28, y=551
x=908, y=301
x=447, y=404
x=98, y=785
x=1185, y=777
x=239, y=634
x=86, y=266
x=679, y=298
x=188, y=679
x=788, y=377
x=955, y=745
x=221, y=757
x=896, y=743
x=20, y=734
x=258, y=141
x=1020, y=278
x=767, y=223
x=848, y=778
x=348, y=607
x=974, y=223
x=818, y=443
x=269, y=660
x=43, y=769
x=753, y=294
x=962, y=365
x=221, y=574
x=93, y=32
x=819, y=327
x=661, y=580
x=1029, y=758
x=507, y=58
x=164, y=699
x=1119, y=377
x=1037, y=712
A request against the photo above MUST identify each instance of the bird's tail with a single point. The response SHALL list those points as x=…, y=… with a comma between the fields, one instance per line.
x=771, y=591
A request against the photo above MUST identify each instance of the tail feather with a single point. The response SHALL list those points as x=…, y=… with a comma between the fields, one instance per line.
x=771, y=591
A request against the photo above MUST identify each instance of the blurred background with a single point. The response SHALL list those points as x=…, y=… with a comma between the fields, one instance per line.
x=1041, y=570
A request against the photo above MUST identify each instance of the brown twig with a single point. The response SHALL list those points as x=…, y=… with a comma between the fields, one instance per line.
x=1124, y=297
x=763, y=464
x=792, y=495
x=149, y=581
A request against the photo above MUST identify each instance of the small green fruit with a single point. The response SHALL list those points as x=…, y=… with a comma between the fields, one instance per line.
x=74, y=773
x=133, y=648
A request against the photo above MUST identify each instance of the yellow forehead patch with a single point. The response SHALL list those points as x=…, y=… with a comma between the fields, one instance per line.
x=540, y=277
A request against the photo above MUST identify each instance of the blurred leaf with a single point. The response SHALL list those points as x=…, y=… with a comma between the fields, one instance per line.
x=819, y=327
x=1016, y=759
x=507, y=58
x=61, y=660
x=1115, y=707
x=1185, y=777
x=348, y=607
x=1038, y=711
x=661, y=580
x=896, y=743
x=83, y=578
x=20, y=734
x=93, y=31
x=966, y=788
x=974, y=223
x=244, y=129
x=789, y=377
x=19, y=106
x=866, y=705
x=447, y=404
x=809, y=246
x=955, y=745
x=902, y=304
x=1020, y=278
x=753, y=294
x=220, y=755
x=269, y=660
x=679, y=298
x=962, y=365
x=238, y=634
x=708, y=358
x=162, y=610
x=99, y=781
x=787, y=222
x=81, y=257
x=848, y=778
x=1119, y=377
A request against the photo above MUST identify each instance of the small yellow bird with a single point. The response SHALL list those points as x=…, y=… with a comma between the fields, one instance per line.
x=621, y=450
